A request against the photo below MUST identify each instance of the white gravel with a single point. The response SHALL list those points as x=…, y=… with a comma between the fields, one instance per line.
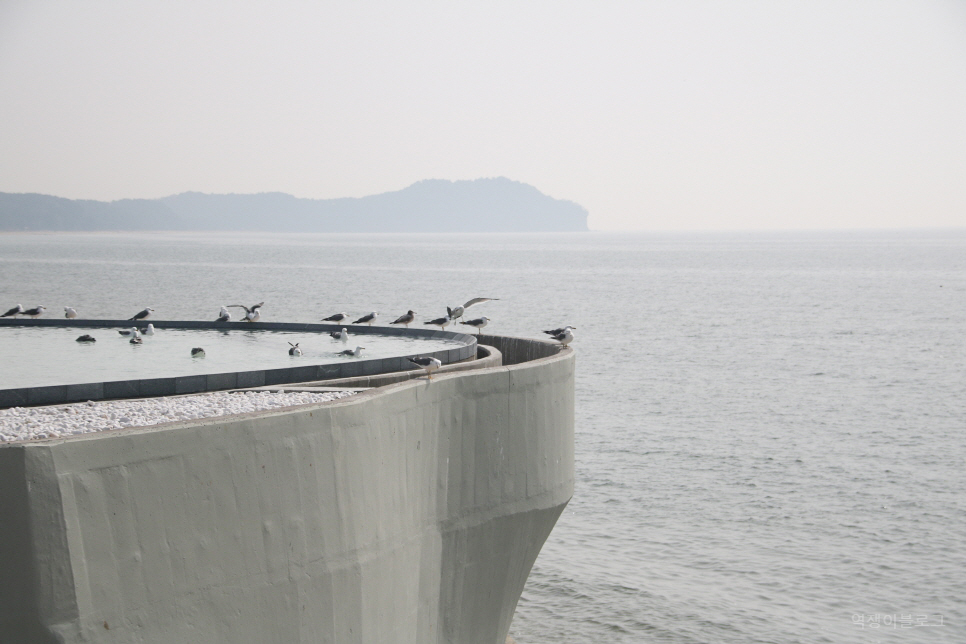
x=28, y=423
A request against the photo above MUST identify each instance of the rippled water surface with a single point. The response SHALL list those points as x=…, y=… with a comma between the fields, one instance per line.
x=771, y=428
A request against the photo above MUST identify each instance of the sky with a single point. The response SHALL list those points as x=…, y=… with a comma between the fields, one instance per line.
x=684, y=115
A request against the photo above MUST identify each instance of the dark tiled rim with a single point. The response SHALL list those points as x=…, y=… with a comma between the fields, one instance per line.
x=153, y=387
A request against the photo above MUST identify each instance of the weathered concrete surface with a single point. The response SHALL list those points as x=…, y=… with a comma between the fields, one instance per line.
x=410, y=513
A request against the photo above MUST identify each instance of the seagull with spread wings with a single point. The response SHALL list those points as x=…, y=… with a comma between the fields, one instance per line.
x=251, y=314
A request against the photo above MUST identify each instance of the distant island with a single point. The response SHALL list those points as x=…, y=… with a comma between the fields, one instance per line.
x=435, y=205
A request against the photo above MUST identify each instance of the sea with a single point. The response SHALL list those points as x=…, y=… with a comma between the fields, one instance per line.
x=770, y=427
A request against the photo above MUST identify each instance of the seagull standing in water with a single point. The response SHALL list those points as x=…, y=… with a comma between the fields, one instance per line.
x=142, y=315
x=129, y=333
x=355, y=353
x=149, y=330
x=405, y=319
x=15, y=311
x=251, y=314
x=429, y=364
x=478, y=323
x=367, y=319
x=224, y=315
x=69, y=312
x=341, y=335
x=35, y=312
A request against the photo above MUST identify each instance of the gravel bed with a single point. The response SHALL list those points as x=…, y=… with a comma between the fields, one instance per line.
x=27, y=423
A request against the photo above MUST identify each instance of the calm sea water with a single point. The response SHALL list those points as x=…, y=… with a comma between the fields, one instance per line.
x=771, y=428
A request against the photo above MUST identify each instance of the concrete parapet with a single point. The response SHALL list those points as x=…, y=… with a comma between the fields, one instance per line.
x=410, y=513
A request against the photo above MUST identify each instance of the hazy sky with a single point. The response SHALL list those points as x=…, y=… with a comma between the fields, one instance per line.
x=669, y=115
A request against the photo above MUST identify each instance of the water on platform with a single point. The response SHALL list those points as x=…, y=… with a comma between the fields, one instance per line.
x=41, y=356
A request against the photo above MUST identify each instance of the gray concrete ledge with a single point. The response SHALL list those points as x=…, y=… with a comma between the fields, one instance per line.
x=154, y=387
x=486, y=357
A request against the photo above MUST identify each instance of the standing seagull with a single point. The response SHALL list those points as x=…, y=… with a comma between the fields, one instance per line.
x=142, y=315
x=294, y=350
x=149, y=330
x=251, y=314
x=459, y=310
x=69, y=312
x=442, y=323
x=478, y=323
x=367, y=319
x=35, y=312
x=341, y=335
x=224, y=315
x=15, y=311
x=338, y=317
x=564, y=338
x=560, y=330
x=129, y=333
x=406, y=319
x=429, y=364
x=352, y=352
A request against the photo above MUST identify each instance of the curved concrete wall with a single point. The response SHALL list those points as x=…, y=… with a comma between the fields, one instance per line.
x=411, y=513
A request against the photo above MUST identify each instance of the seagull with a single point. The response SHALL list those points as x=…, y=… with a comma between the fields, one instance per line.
x=251, y=314
x=442, y=323
x=15, y=311
x=459, y=310
x=338, y=317
x=478, y=323
x=406, y=319
x=142, y=315
x=132, y=332
x=35, y=312
x=197, y=352
x=86, y=338
x=429, y=364
x=69, y=312
x=294, y=350
x=352, y=352
x=136, y=339
x=224, y=315
x=367, y=319
x=564, y=338
x=341, y=335
x=149, y=330
x=560, y=330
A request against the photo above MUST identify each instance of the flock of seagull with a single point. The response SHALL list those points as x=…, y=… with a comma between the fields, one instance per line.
x=563, y=335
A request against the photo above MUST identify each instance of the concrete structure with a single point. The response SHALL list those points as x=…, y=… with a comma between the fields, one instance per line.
x=410, y=513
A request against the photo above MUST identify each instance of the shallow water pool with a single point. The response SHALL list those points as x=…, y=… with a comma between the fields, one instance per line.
x=43, y=356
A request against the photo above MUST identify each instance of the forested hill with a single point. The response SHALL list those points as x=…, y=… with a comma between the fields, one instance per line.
x=481, y=205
